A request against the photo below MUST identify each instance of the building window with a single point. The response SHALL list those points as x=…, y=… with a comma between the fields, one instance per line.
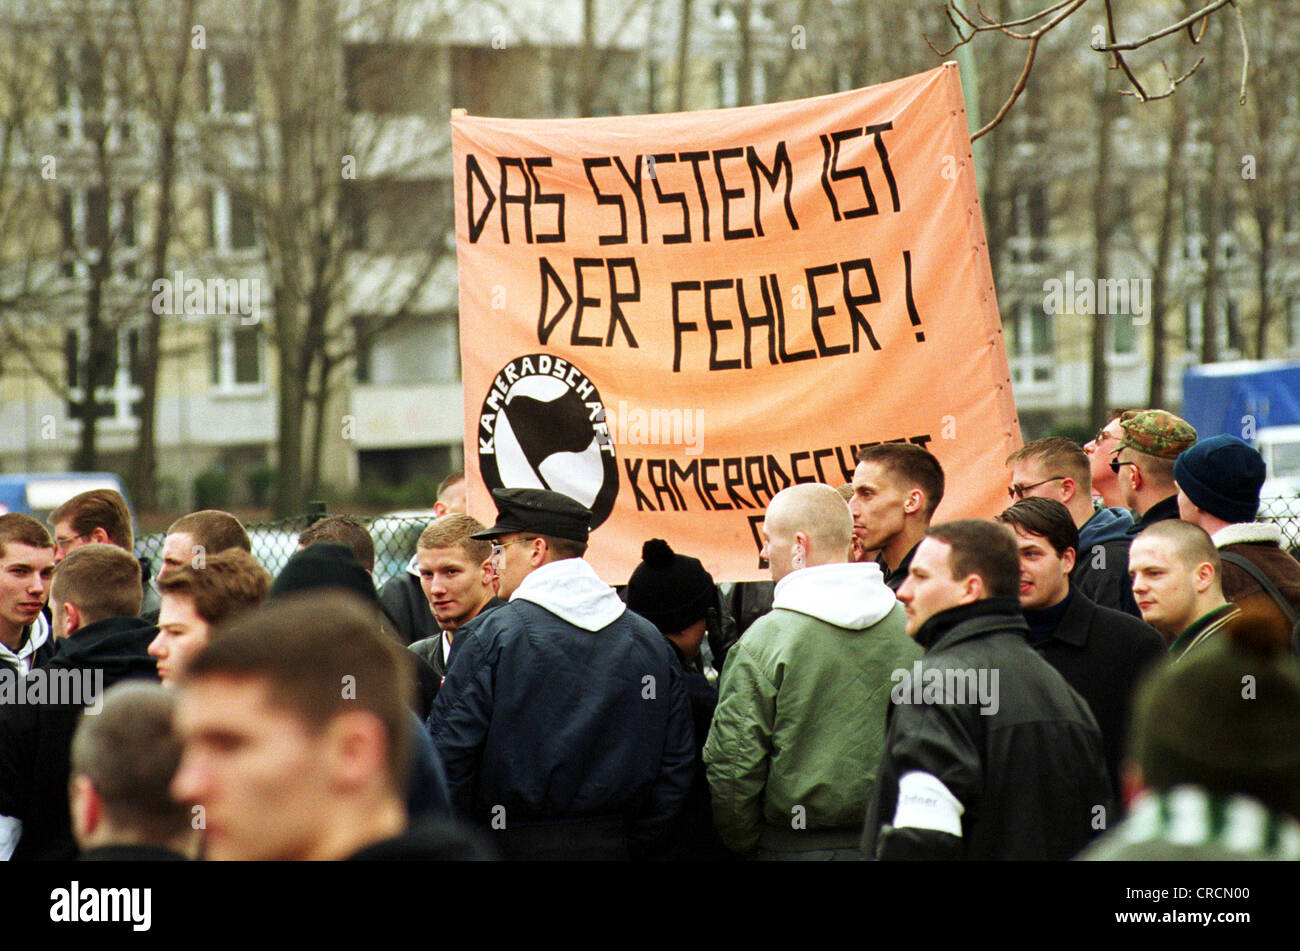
x=231, y=221
x=95, y=224
x=1192, y=325
x=1030, y=345
x=114, y=374
x=1123, y=335
x=235, y=356
x=422, y=349
x=78, y=90
x=92, y=220
x=126, y=219
x=227, y=85
x=1037, y=212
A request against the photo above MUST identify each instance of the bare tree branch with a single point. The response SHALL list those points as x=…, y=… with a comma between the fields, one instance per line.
x=1188, y=21
x=966, y=29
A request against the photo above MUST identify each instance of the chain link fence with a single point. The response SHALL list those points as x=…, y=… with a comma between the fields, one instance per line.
x=1285, y=514
x=395, y=537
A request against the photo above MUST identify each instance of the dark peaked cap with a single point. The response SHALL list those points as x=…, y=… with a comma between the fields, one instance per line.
x=539, y=511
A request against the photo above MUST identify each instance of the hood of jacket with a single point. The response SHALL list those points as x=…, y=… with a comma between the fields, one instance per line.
x=570, y=589
x=413, y=566
x=1106, y=525
x=118, y=646
x=850, y=595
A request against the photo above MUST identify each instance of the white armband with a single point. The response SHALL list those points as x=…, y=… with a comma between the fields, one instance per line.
x=924, y=802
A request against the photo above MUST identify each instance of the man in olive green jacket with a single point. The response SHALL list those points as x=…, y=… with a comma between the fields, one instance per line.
x=800, y=723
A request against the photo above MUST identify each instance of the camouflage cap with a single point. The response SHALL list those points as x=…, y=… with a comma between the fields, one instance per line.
x=1156, y=433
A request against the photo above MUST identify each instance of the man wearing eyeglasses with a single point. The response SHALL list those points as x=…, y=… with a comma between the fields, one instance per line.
x=563, y=721
x=1056, y=468
x=1099, y=449
x=99, y=516
x=1144, y=464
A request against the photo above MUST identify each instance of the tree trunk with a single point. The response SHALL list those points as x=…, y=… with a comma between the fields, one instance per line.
x=1102, y=228
x=1164, y=250
x=745, y=81
x=167, y=102
x=683, y=52
x=1213, y=224
x=86, y=458
x=290, y=499
x=1264, y=217
x=146, y=461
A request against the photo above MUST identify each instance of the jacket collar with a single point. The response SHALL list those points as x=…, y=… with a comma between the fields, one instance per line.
x=967, y=621
x=1205, y=625
x=1077, y=622
x=1165, y=508
x=1248, y=533
x=895, y=577
x=109, y=635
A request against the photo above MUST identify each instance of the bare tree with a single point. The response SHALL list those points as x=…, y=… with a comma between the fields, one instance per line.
x=1273, y=148
x=1031, y=30
x=162, y=33
x=1103, y=227
x=1166, y=233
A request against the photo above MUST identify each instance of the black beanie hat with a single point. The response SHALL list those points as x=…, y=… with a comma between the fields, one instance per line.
x=669, y=590
x=1223, y=476
x=324, y=565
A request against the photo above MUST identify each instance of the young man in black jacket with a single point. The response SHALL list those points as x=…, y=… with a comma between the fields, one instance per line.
x=989, y=753
x=96, y=595
x=296, y=738
x=1101, y=652
x=122, y=763
x=457, y=581
x=1056, y=468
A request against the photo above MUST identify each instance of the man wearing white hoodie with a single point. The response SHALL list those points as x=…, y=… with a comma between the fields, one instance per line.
x=563, y=721
x=800, y=723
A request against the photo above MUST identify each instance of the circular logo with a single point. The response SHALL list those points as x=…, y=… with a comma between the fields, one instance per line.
x=542, y=426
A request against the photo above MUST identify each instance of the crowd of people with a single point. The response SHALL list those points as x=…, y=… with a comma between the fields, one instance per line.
x=1104, y=670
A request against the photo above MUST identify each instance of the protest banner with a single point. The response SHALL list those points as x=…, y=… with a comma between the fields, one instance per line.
x=672, y=317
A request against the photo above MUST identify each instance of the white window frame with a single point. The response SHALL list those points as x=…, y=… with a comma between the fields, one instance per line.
x=225, y=329
x=121, y=394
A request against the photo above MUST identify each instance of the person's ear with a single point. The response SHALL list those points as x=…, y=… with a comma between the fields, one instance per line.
x=912, y=504
x=356, y=747
x=86, y=807
x=99, y=536
x=972, y=589
x=1068, y=560
x=71, y=619
x=1204, y=577
x=799, y=550
x=1132, y=782
x=487, y=573
x=1068, y=488
x=439, y=509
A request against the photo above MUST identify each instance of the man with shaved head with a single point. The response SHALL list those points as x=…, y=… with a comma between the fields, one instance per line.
x=800, y=722
x=1177, y=582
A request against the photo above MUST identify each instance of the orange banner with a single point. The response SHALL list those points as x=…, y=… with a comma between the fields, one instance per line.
x=671, y=318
